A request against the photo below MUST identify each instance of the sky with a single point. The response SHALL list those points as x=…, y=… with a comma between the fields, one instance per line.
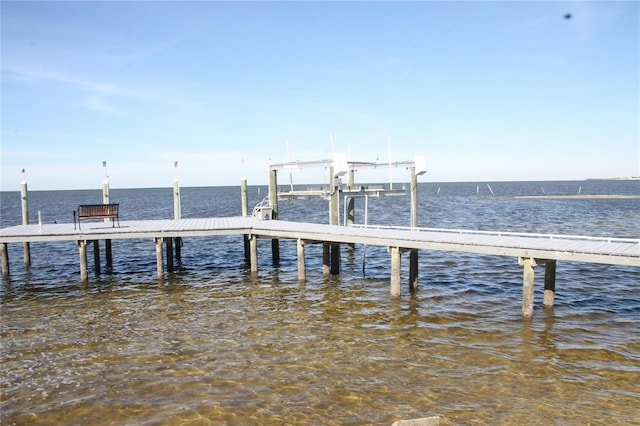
x=485, y=91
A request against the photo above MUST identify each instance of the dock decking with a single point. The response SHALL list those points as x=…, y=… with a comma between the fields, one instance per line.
x=530, y=249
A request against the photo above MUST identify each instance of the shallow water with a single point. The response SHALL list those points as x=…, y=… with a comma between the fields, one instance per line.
x=214, y=345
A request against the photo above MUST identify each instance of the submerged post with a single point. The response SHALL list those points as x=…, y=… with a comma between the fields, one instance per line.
x=25, y=218
x=253, y=256
x=245, y=213
x=549, y=283
x=302, y=273
x=169, y=244
x=334, y=219
x=177, y=215
x=413, y=253
x=105, y=200
x=4, y=254
x=395, y=271
x=527, y=285
x=96, y=255
x=84, y=271
x=351, y=207
x=273, y=201
x=159, y=262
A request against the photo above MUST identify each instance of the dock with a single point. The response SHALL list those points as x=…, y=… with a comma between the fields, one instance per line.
x=530, y=250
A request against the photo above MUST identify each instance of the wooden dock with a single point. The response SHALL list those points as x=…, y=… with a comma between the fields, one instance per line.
x=530, y=249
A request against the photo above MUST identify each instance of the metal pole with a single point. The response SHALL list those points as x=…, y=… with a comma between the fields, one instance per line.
x=25, y=219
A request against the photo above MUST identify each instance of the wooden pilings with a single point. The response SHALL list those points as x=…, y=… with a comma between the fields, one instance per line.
x=24, y=202
x=4, y=256
x=395, y=271
x=528, y=280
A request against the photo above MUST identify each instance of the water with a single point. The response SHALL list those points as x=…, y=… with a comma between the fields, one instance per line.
x=214, y=345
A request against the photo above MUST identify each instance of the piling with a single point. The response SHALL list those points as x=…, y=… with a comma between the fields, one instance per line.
x=96, y=256
x=169, y=246
x=527, y=285
x=245, y=213
x=159, y=262
x=4, y=254
x=395, y=271
x=413, y=254
x=253, y=254
x=549, y=283
x=105, y=200
x=334, y=220
x=25, y=220
x=351, y=207
x=273, y=201
x=302, y=274
x=84, y=271
x=177, y=215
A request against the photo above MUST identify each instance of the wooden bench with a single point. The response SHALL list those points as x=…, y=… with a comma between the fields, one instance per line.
x=97, y=211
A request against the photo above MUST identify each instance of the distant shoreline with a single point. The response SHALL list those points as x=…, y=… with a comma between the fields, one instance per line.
x=581, y=196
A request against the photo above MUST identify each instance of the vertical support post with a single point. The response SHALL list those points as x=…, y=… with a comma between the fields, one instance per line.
x=302, y=273
x=25, y=219
x=549, y=283
x=108, y=253
x=169, y=247
x=84, y=271
x=253, y=261
x=334, y=220
x=351, y=207
x=96, y=255
x=243, y=196
x=4, y=254
x=273, y=201
x=413, y=254
x=413, y=269
x=177, y=209
x=245, y=213
x=159, y=262
x=528, y=278
x=395, y=271
x=326, y=259
x=105, y=194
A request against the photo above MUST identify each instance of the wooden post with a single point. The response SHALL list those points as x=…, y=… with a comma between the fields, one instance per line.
x=334, y=219
x=413, y=254
x=96, y=255
x=108, y=253
x=245, y=213
x=105, y=194
x=84, y=271
x=395, y=271
x=302, y=273
x=351, y=207
x=169, y=247
x=549, y=283
x=4, y=254
x=243, y=196
x=413, y=269
x=273, y=201
x=253, y=258
x=326, y=259
x=25, y=219
x=177, y=210
x=528, y=279
x=159, y=262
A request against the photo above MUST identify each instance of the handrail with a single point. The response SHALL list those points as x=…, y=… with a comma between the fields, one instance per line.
x=501, y=233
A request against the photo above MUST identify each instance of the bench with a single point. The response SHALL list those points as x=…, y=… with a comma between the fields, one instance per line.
x=96, y=211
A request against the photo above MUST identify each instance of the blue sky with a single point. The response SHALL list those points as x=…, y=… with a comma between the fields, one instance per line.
x=486, y=91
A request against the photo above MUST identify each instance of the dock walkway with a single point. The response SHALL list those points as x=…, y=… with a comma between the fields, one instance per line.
x=530, y=249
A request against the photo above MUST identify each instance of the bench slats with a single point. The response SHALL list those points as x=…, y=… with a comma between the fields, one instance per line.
x=98, y=211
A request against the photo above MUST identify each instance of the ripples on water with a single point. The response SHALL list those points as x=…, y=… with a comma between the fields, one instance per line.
x=214, y=345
